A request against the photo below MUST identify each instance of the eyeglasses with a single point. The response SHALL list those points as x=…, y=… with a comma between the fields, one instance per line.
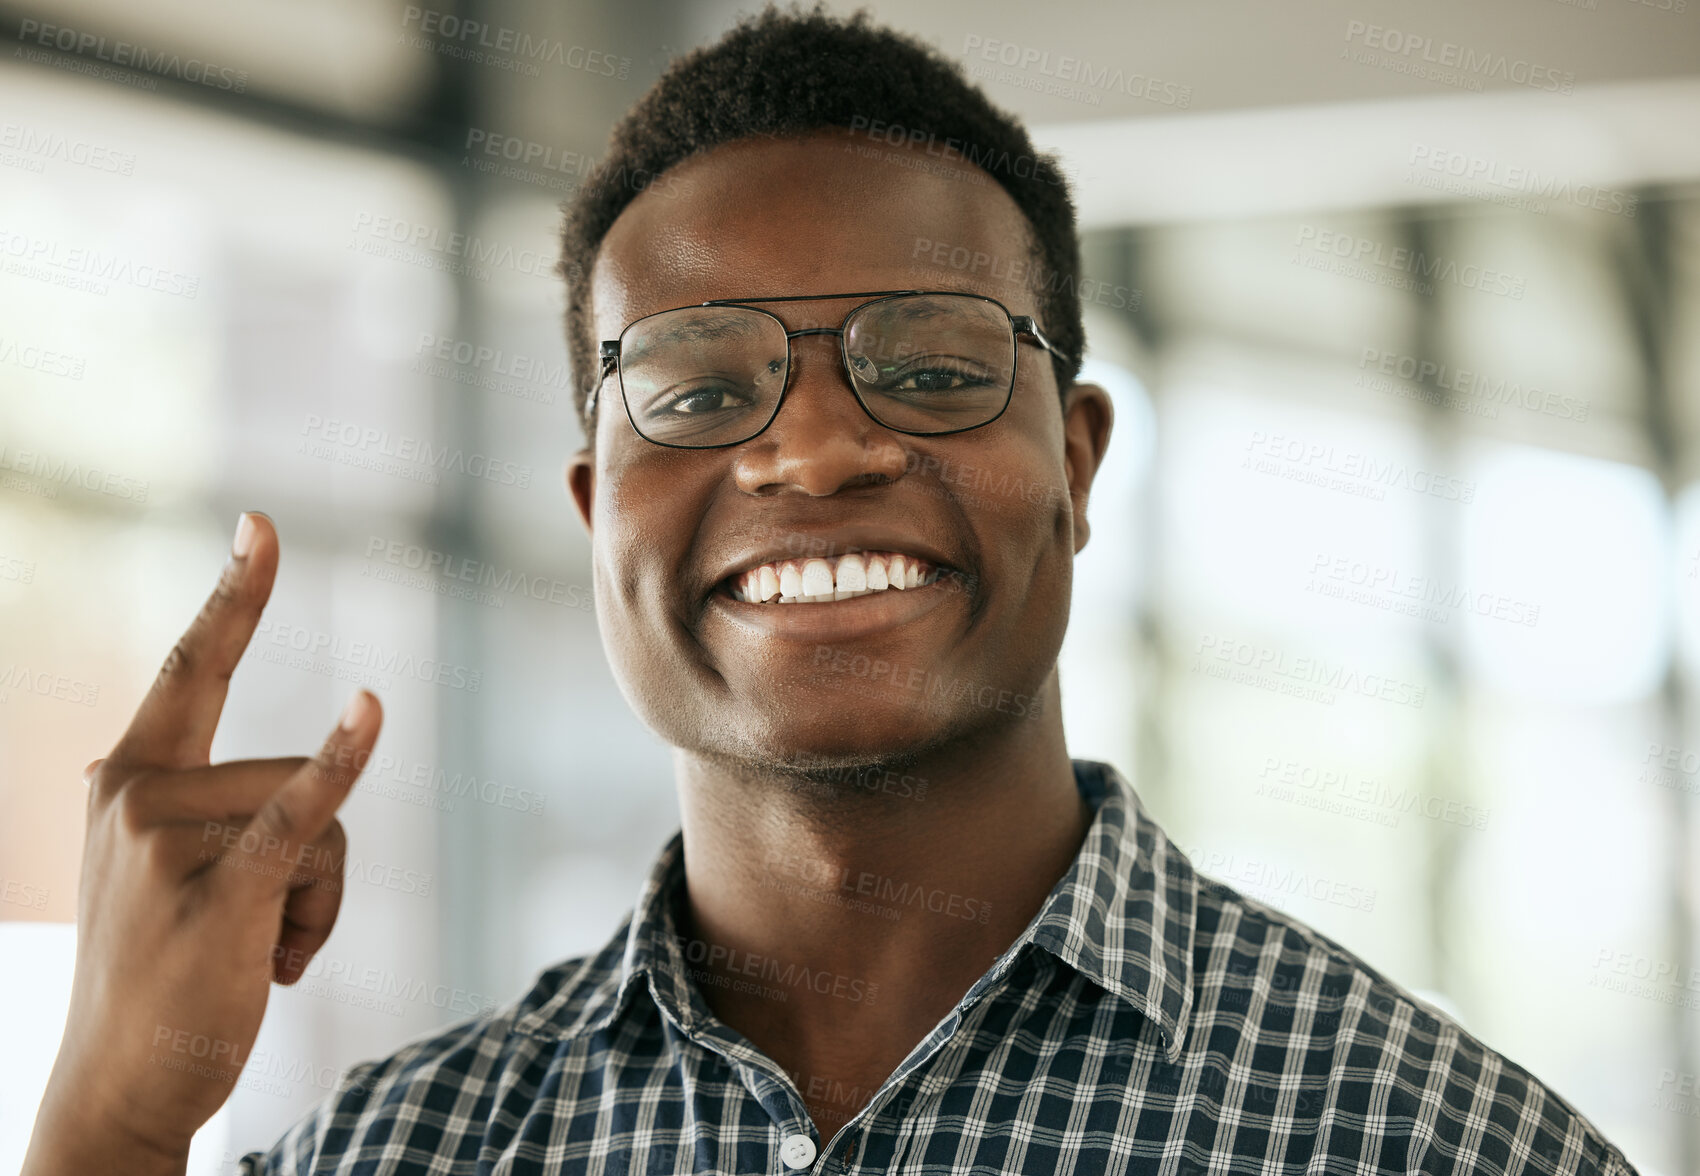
x=926, y=363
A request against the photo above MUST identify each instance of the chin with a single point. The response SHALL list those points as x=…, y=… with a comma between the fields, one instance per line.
x=835, y=731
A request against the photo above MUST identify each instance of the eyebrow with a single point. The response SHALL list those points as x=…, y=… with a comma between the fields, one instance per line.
x=917, y=306
x=700, y=325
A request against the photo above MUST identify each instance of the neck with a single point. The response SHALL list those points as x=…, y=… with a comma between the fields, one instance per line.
x=835, y=923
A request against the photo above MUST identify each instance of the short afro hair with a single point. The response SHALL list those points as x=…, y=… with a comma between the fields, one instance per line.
x=788, y=73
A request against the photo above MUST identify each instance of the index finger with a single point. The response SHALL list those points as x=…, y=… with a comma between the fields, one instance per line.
x=173, y=727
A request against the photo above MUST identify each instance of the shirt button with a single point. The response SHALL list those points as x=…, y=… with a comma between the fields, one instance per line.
x=798, y=1151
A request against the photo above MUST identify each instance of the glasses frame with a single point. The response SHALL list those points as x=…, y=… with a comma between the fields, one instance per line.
x=1020, y=325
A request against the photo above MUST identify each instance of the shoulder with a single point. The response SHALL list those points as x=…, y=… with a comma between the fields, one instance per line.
x=426, y=1098
x=1374, y=1059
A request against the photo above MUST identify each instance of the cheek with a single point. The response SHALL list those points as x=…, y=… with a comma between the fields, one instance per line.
x=1030, y=485
x=1019, y=504
x=1021, y=513
x=638, y=509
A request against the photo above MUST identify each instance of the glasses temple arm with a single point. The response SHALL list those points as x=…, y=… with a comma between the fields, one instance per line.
x=609, y=352
x=1024, y=325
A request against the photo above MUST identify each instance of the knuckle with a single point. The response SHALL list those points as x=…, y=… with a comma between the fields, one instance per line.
x=226, y=595
x=131, y=809
x=223, y=592
x=339, y=763
x=218, y=834
x=179, y=663
x=275, y=820
x=103, y=777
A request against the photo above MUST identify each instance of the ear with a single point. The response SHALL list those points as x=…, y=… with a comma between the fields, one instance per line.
x=1087, y=418
x=581, y=482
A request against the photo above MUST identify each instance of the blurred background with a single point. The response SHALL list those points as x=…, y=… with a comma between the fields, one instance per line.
x=1392, y=606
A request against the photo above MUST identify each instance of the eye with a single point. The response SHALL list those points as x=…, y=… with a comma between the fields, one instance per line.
x=930, y=380
x=704, y=398
x=936, y=374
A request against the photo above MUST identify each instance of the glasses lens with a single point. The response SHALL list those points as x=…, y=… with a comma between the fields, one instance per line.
x=932, y=363
x=704, y=375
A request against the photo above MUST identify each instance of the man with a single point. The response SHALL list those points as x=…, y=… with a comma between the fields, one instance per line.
x=833, y=522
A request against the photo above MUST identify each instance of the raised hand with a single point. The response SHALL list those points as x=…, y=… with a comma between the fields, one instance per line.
x=201, y=884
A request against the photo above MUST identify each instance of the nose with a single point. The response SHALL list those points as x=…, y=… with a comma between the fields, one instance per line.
x=821, y=442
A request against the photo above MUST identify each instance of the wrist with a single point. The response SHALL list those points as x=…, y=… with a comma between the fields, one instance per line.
x=74, y=1140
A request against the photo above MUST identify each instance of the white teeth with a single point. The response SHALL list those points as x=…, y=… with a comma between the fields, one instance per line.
x=817, y=578
x=852, y=574
x=876, y=573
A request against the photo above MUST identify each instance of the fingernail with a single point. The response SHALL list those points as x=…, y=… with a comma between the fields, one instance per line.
x=244, y=541
x=353, y=712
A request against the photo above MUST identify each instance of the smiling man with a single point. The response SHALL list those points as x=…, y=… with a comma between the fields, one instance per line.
x=834, y=491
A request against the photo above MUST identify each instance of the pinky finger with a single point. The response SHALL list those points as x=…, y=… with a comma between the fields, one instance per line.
x=308, y=918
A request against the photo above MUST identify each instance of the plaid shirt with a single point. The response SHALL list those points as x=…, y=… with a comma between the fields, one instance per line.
x=1150, y=1019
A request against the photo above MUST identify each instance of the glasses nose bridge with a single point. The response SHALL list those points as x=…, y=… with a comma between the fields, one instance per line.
x=789, y=335
x=803, y=332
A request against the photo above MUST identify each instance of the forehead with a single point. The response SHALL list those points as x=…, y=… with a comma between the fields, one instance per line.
x=826, y=213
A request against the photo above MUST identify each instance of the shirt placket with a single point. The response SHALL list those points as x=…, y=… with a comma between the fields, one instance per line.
x=800, y=1149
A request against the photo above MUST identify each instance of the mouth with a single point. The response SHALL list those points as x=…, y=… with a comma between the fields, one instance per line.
x=828, y=580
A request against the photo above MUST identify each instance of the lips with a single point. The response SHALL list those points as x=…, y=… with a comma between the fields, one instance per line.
x=832, y=582
x=870, y=615
x=810, y=565
x=819, y=580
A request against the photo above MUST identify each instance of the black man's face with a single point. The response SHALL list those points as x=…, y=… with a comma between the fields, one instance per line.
x=998, y=509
